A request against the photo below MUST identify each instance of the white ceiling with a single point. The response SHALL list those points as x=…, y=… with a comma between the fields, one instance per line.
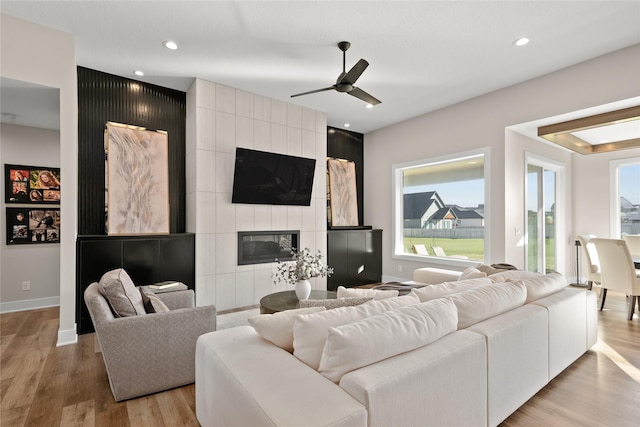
x=423, y=55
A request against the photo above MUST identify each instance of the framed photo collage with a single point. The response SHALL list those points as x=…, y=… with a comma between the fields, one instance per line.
x=33, y=188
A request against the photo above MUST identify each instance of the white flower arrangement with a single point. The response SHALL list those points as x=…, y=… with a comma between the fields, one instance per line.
x=304, y=266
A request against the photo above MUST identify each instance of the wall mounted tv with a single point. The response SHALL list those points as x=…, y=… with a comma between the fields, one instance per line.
x=272, y=179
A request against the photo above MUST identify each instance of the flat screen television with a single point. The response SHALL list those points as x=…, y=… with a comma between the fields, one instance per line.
x=272, y=179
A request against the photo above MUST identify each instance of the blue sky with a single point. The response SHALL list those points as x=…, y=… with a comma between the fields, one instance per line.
x=630, y=183
x=468, y=194
x=471, y=193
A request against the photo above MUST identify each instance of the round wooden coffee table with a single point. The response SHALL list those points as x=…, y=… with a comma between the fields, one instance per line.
x=287, y=300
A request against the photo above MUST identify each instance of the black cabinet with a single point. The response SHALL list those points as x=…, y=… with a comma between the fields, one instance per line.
x=147, y=259
x=356, y=257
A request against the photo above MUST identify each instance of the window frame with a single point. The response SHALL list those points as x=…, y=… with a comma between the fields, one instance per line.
x=397, y=214
x=615, y=230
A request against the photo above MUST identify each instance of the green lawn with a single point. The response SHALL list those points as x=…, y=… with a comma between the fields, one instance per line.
x=472, y=248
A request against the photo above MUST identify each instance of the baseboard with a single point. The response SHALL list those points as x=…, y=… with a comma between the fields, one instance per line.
x=67, y=337
x=29, y=304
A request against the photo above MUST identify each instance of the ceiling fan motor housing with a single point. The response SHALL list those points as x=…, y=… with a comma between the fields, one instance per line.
x=344, y=46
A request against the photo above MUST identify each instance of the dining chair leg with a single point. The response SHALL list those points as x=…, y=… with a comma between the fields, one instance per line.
x=589, y=285
x=603, y=296
x=632, y=306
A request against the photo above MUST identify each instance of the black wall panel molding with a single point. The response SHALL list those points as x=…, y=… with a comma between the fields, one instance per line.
x=104, y=97
x=344, y=144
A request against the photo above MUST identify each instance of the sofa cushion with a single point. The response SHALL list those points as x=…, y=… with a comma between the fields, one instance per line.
x=436, y=291
x=310, y=330
x=511, y=275
x=331, y=303
x=478, y=304
x=373, y=293
x=278, y=327
x=123, y=297
x=543, y=285
x=381, y=336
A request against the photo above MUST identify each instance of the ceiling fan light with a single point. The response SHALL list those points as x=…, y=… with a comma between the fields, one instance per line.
x=369, y=105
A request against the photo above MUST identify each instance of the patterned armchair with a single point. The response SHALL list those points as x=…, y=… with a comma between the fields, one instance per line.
x=149, y=353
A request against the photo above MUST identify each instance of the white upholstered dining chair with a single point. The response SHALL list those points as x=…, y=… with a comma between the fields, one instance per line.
x=633, y=243
x=617, y=271
x=593, y=263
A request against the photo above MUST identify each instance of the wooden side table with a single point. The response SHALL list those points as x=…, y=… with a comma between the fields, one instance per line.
x=287, y=300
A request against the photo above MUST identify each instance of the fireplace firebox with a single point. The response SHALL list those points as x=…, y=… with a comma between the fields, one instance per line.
x=259, y=247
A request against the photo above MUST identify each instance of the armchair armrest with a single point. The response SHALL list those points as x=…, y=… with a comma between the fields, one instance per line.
x=178, y=299
x=154, y=352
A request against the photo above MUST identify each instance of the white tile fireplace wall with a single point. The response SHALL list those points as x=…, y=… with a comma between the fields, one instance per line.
x=219, y=119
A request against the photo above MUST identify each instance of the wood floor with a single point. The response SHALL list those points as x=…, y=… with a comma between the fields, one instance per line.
x=45, y=385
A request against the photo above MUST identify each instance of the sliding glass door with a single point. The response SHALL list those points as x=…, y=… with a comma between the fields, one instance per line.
x=544, y=223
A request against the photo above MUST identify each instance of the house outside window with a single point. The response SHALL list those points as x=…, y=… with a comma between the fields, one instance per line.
x=625, y=193
x=440, y=205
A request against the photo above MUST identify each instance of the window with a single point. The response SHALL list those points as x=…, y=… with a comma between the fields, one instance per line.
x=440, y=207
x=625, y=193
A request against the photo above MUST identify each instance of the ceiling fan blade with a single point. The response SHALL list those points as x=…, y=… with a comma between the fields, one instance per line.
x=314, y=91
x=355, y=72
x=360, y=94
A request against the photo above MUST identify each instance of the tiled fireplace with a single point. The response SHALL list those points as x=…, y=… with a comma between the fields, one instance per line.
x=259, y=247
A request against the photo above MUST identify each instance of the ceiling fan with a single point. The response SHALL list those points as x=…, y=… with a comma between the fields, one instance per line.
x=345, y=82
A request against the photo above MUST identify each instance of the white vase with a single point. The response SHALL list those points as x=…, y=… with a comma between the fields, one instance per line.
x=303, y=289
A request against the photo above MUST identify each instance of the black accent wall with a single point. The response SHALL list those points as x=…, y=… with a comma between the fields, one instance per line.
x=344, y=144
x=104, y=97
x=146, y=259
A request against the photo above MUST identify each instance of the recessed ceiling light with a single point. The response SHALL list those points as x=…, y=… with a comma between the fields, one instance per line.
x=521, y=41
x=347, y=125
x=139, y=73
x=170, y=45
x=369, y=105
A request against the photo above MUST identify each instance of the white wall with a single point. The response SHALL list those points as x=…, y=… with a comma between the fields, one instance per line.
x=480, y=123
x=39, y=264
x=44, y=56
x=219, y=119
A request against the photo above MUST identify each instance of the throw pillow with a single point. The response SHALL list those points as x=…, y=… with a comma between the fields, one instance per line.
x=123, y=297
x=146, y=302
x=543, y=285
x=381, y=336
x=151, y=303
x=373, y=293
x=489, y=270
x=310, y=330
x=436, y=291
x=478, y=304
x=332, y=303
x=506, y=276
x=472, y=273
x=278, y=327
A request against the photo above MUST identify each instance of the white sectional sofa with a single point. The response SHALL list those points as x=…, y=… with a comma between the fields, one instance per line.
x=452, y=354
